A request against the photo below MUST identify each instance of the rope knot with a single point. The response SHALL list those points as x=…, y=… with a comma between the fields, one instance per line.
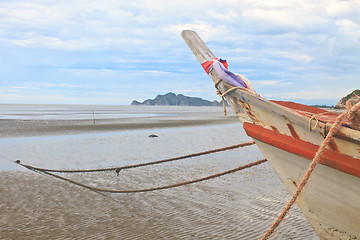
x=220, y=94
x=317, y=121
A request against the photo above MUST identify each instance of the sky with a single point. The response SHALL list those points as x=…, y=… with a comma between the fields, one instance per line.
x=115, y=51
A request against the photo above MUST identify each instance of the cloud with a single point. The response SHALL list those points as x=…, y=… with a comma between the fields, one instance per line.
x=156, y=72
x=38, y=85
x=283, y=46
x=37, y=88
x=261, y=83
x=55, y=43
x=187, y=91
x=205, y=29
x=86, y=70
x=23, y=88
x=227, y=15
x=341, y=8
x=349, y=27
x=57, y=25
x=298, y=57
x=35, y=40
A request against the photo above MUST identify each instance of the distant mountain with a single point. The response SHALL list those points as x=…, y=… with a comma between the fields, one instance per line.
x=171, y=99
x=353, y=96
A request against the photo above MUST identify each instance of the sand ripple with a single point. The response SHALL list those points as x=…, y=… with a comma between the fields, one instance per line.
x=236, y=206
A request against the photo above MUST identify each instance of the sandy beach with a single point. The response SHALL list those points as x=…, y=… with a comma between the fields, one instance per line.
x=241, y=205
x=44, y=120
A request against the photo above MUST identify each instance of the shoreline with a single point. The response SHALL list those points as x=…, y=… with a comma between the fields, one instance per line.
x=28, y=128
x=47, y=120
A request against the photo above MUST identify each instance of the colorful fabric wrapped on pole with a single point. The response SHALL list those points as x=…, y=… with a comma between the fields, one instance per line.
x=221, y=68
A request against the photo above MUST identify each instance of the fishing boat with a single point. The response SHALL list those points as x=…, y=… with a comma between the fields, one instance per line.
x=289, y=134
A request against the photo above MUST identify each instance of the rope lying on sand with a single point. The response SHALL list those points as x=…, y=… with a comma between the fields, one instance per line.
x=117, y=169
x=348, y=114
x=149, y=189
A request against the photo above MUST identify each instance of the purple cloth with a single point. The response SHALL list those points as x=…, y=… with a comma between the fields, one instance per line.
x=228, y=76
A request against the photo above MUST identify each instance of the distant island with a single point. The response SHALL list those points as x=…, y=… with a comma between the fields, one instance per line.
x=171, y=99
x=353, y=96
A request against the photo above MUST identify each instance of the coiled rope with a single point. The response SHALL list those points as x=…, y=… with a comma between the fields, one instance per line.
x=117, y=169
x=349, y=113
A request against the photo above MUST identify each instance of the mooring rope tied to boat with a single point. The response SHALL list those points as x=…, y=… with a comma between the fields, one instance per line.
x=148, y=189
x=118, y=169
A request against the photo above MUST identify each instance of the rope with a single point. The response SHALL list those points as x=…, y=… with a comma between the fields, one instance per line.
x=314, y=116
x=223, y=100
x=219, y=93
x=232, y=89
x=309, y=171
x=118, y=169
x=148, y=189
x=317, y=121
x=222, y=95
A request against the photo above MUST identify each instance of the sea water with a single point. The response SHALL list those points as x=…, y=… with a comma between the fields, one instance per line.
x=240, y=205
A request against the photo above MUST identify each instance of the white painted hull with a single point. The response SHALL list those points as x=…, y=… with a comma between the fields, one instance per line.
x=330, y=201
x=331, y=198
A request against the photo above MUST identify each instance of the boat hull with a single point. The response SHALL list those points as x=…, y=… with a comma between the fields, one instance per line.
x=330, y=201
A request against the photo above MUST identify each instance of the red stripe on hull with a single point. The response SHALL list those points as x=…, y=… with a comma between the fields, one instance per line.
x=305, y=149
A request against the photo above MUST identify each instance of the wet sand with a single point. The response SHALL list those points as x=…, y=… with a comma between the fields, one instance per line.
x=27, y=128
x=232, y=207
x=241, y=205
x=86, y=122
